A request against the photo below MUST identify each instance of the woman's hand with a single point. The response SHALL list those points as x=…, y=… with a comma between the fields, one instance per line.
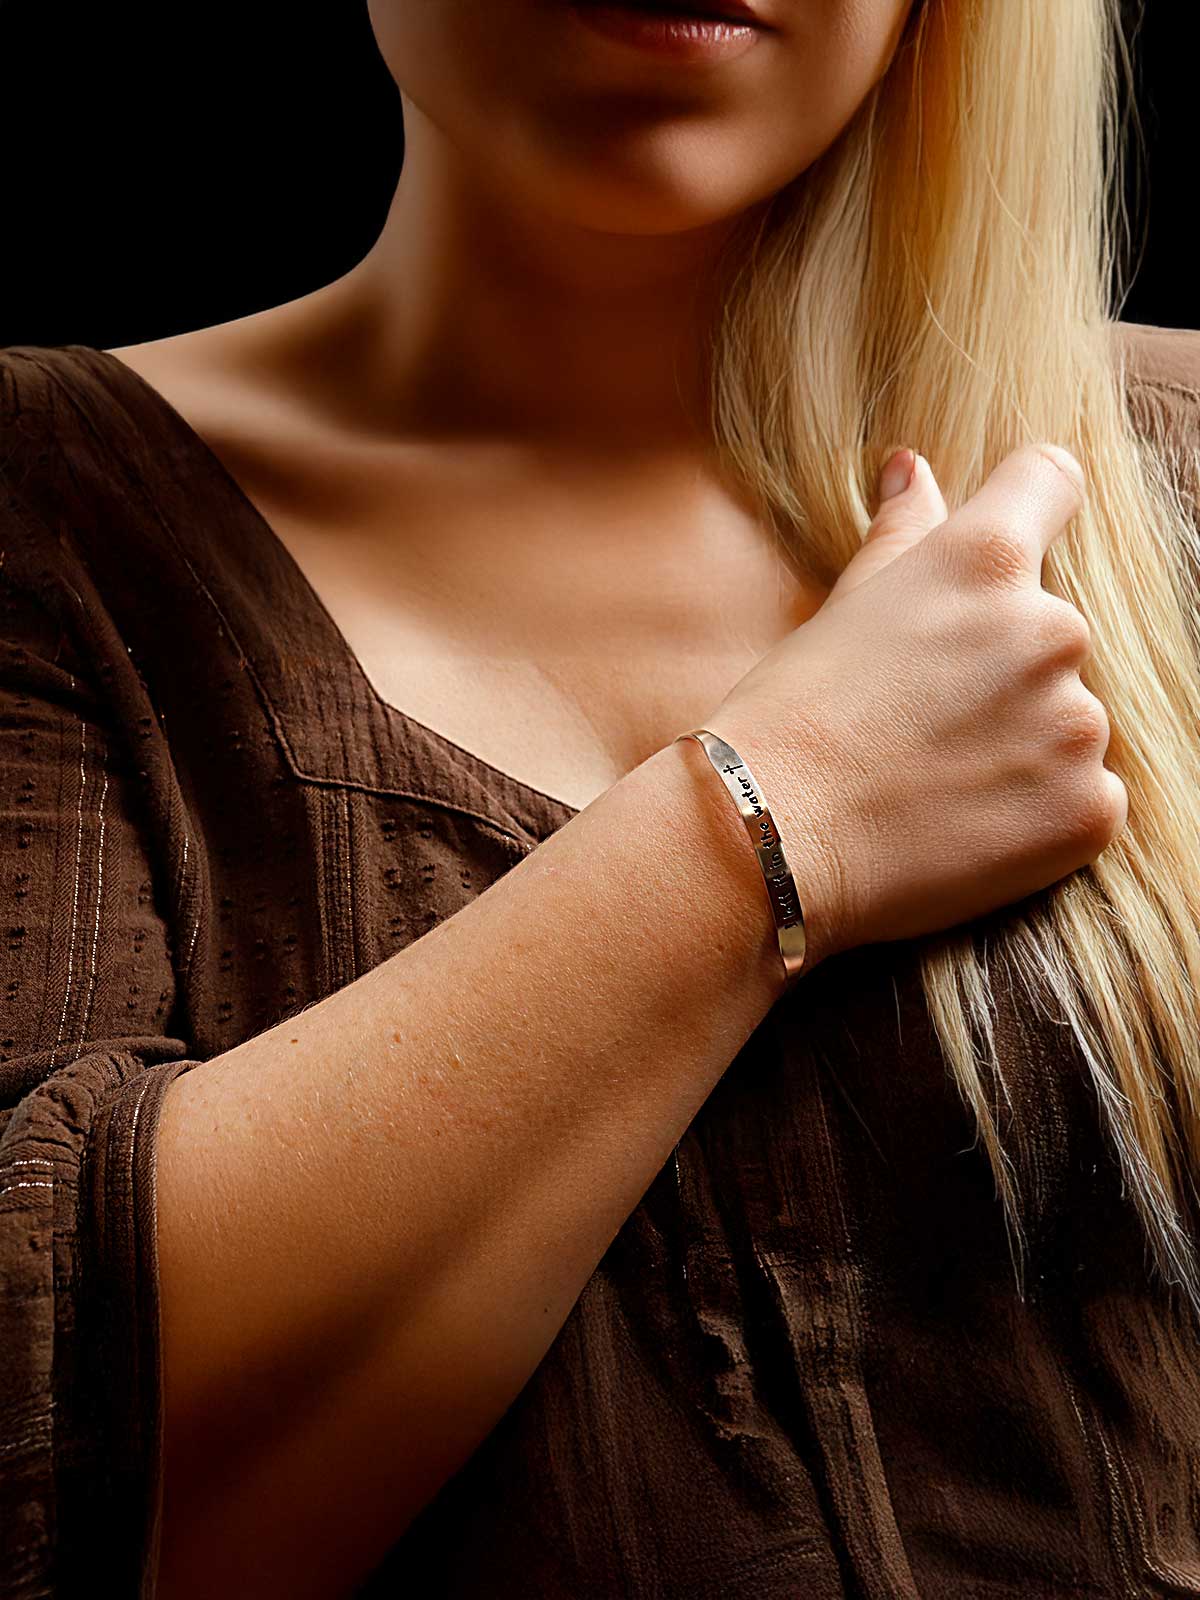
x=925, y=741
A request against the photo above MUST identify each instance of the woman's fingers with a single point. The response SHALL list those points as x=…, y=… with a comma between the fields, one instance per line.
x=1007, y=526
x=907, y=512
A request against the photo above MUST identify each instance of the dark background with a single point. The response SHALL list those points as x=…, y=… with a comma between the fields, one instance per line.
x=170, y=165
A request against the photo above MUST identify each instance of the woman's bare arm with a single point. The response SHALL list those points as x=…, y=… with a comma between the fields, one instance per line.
x=374, y=1217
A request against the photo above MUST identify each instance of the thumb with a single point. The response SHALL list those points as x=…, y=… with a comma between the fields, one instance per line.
x=910, y=506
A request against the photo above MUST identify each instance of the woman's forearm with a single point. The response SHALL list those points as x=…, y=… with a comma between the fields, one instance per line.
x=374, y=1217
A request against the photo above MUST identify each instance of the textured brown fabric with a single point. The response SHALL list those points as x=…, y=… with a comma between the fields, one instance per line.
x=801, y=1370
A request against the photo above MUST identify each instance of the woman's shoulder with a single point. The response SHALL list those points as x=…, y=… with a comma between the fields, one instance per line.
x=1162, y=389
x=66, y=432
x=51, y=476
x=1162, y=371
x=113, y=524
x=71, y=517
x=74, y=401
x=95, y=469
x=1167, y=359
x=50, y=393
x=27, y=382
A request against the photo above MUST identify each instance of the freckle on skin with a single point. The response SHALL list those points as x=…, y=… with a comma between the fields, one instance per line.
x=295, y=1041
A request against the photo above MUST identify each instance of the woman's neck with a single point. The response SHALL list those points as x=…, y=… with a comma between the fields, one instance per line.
x=473, y=315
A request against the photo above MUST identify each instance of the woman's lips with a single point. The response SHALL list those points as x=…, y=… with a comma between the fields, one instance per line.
x=669, y=33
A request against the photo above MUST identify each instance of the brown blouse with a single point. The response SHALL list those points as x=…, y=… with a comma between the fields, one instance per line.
x=802, y=1369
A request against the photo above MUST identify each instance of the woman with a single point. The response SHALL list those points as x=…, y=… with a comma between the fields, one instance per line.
x=398, y=1062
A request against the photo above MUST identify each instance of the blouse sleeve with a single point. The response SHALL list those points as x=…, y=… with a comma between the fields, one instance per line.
x=86, y=990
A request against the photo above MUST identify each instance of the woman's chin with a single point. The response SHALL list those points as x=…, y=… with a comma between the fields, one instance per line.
x=644, y=202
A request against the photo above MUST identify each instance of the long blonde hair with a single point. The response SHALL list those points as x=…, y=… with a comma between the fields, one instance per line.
x=969, y=228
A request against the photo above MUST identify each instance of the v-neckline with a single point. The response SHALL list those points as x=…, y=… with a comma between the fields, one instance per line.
x=538, y=802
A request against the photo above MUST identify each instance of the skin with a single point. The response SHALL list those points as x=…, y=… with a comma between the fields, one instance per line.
x=486, y=445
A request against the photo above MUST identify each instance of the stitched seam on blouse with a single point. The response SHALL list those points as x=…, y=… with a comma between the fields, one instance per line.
x=341, y=956
x=93, y=958
x=1119, y=1519
x=187, y=965
x=351, y=895
x=319, y=780
x=62, y=1019
x=1192, y=391
x=26, y=1183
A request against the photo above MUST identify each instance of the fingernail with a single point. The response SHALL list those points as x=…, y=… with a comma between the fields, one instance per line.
x=1068, y=464
x=897, y=474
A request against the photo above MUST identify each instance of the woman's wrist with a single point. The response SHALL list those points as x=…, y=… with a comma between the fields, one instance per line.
x=721, y=871
x=777, y=776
